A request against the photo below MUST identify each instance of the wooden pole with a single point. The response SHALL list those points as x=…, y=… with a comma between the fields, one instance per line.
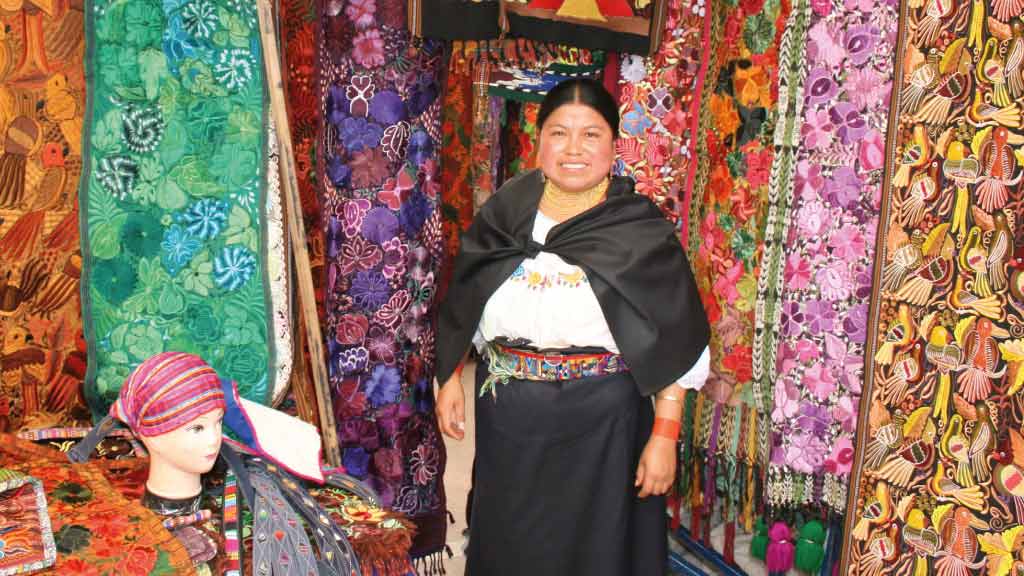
x=297, y=232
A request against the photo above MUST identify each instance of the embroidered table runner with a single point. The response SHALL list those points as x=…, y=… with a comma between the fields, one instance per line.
x=173, y=195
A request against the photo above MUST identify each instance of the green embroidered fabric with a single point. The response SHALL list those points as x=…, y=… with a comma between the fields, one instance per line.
x=173, y=196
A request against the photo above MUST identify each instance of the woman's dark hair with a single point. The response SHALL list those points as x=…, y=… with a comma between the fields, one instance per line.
x=581, y=91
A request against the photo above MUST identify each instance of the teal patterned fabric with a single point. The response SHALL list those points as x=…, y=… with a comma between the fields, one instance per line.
x=173, y=195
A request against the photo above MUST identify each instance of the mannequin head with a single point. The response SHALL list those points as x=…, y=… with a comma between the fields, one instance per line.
x=174, y=403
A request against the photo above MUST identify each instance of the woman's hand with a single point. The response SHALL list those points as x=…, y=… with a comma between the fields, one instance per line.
x=657, y=468
x=450, y=407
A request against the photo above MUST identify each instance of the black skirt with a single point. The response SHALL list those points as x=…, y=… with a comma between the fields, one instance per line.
x=553, y=481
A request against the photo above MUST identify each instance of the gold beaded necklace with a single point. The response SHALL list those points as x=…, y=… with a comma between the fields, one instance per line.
x=562, y=205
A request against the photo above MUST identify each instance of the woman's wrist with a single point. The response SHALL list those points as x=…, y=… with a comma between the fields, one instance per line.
x=666, y=428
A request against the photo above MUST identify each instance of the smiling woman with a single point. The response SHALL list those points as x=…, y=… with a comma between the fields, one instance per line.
x=579, y=297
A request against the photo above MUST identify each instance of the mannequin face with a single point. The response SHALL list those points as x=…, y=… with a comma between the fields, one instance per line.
x=191, y=449
x=576, y=148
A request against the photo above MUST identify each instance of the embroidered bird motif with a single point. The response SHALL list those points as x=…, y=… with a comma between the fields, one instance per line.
x=981, y=355
x=959, y=542
x=999, y=167
x=906, y=371
x=936, y=269
x=922, y=191
x=946, y=357
x=899, y=335
x=915, y=155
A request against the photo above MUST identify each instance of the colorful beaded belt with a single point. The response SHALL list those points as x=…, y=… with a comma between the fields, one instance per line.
x=504, y=364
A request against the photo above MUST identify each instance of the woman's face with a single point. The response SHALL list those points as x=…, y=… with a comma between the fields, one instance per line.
x=576, y=148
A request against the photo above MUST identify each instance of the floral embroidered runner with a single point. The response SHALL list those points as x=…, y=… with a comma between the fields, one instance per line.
x=939, y=451
x=377, y=161
x=173, y=196
x=729, y=222
x=829, y=251
x=659, y=99
x=42, y=103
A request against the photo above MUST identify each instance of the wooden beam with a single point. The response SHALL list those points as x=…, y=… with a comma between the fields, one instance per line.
x=297, y=232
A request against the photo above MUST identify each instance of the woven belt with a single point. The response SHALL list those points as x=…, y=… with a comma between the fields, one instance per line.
x=504, y=364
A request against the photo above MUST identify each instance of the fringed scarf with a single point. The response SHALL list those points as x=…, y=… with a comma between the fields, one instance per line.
x=827, y=274
x=378, y=165
x=42, y=104
x=729, y=223
x=173, y=199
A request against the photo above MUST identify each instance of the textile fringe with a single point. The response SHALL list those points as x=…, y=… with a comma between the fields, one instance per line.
x=432, y=564
x=787, y=489
x=734, y=481
x=382, y=555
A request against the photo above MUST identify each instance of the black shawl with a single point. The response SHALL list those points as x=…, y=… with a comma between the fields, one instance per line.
x=632, y=258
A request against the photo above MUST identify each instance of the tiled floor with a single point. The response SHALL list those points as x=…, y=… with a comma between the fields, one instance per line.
x=457, y=481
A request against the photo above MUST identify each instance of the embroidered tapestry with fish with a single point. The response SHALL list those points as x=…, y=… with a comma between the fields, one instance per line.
x=377, y=166
x=938, y=484
x=173, y=193
x=42, y=104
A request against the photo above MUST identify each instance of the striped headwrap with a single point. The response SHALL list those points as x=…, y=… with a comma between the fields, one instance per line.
x=166, y=392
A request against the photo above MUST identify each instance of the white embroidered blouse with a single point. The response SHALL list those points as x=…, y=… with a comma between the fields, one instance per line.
x=549, y=303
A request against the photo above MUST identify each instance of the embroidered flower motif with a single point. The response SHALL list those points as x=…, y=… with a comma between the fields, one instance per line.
x=358, y=134
x=840, y=462
x=233, y=267
x=424, y=464
x=361, y=12
x=140, y=235
x=369, y=289
x=234, y=68
x=368, y=49
x=115, y=279
x=179, y=246
x=356, y=461
x=819, y=381
x=200, y=18
x=205, y=218
x=380, y=225
x=860, y=42
x=383, y=385
x=633, y=68
x=820, y=316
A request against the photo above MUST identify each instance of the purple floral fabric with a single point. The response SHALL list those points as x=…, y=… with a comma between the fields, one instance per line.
x=379, y=94
x=830, y=249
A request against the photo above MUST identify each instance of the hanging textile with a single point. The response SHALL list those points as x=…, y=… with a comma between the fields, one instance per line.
x=377, y=159
x=173, y=200
x=278, y=272
x=299, y=22
x=634, y=26
x=729, y=222
x=456, y=130
x=42, y=101
x=939, y=437
x=659, y=99
x=96, y=531
x=829, y=248
x=520, y=138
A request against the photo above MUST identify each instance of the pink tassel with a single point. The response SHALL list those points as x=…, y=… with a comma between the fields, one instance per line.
x=780, y=548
